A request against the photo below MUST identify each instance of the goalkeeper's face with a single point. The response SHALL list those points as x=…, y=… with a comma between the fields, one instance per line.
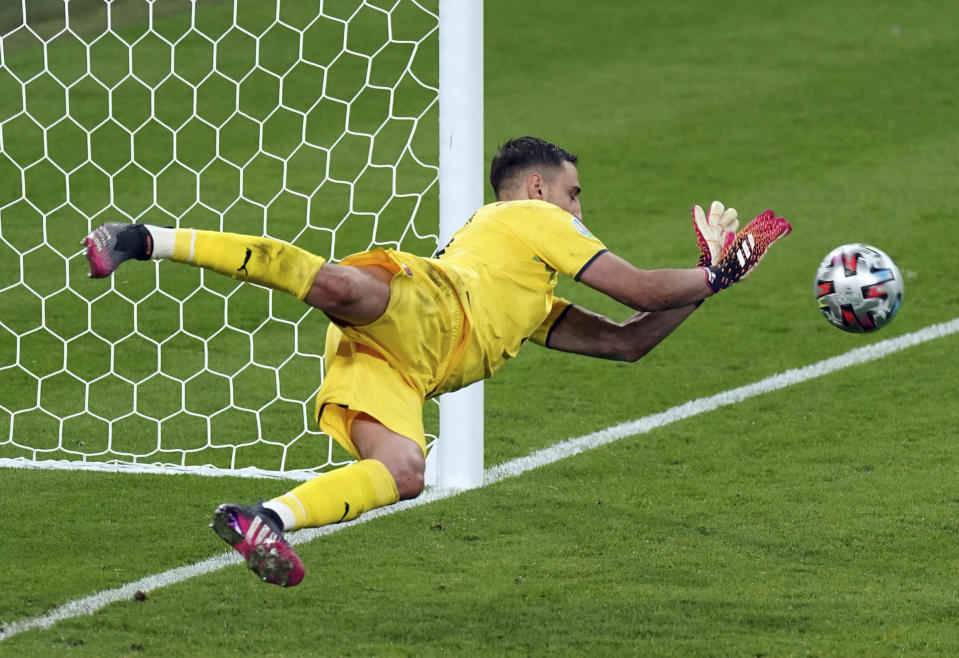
x=561, y=188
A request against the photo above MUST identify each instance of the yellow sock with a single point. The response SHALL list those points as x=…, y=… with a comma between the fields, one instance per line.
x=264, y=261
x=341, y=495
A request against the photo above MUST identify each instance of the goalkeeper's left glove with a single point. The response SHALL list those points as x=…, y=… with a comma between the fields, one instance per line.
x=714, y=232
x=750, y=246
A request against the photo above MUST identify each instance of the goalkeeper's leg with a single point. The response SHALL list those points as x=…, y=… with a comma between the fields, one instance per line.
x=391, y=468
x=264, y=261
x=256, y=532
x=352, y=295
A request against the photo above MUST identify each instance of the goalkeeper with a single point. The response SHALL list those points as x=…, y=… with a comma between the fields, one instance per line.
x=406, y=328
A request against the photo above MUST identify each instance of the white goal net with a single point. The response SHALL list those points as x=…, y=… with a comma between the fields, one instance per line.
x=312, y=122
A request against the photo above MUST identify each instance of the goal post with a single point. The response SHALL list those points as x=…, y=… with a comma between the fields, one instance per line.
x=318, y=123
x=459, y=454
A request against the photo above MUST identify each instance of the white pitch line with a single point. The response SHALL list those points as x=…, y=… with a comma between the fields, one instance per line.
x=695, y=407
x=513, y=468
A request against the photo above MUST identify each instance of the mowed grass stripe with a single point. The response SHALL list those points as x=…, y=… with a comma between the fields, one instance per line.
x=513, y=468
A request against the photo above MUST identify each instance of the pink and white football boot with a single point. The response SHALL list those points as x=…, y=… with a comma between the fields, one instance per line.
x=254, y=535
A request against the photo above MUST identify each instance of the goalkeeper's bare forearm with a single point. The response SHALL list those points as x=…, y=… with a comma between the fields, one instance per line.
x=584, y=332
x=646, y=290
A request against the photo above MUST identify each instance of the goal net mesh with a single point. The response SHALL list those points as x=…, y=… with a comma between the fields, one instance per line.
x=310, y=122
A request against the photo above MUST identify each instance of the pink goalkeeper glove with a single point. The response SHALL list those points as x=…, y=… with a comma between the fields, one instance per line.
x=740, y=259
x=714, y=232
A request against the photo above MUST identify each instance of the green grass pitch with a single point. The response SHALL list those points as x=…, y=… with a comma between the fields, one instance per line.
x=816, y=520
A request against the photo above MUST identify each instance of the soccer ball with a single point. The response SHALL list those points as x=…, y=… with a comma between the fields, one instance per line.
x=858, y=287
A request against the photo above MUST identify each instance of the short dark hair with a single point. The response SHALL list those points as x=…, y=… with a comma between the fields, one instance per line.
x=521, y=153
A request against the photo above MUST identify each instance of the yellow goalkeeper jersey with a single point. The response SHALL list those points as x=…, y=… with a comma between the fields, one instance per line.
x=504, y=264
x=454, y=319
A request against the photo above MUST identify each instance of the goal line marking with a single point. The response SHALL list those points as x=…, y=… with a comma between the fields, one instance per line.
x=513, y=468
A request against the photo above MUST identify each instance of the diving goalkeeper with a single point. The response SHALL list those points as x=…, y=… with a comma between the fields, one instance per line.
x=406, y=328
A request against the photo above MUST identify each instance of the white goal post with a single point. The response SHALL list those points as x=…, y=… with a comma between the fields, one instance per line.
x=459, y=457
x=336, y=125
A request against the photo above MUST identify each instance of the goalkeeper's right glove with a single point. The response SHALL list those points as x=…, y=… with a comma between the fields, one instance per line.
x=741, y=258
x=714, y=232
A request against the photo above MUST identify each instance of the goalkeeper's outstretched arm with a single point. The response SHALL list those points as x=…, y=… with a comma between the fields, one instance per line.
x=660, y=290
x=583, y=332
x=646, y=290
x=664, y=298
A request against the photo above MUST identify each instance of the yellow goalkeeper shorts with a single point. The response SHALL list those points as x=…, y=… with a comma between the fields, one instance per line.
x=389, y=367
